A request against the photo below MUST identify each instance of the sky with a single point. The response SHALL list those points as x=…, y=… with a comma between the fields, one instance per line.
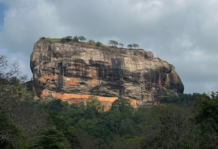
x=182, y=32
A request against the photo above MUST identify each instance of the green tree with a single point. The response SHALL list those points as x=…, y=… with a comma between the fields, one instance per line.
x=63, y=40
x=134, y=45
x=63, y=125
x=207, y=118
x=68, y=38
x=11, y=137
x=81, y=38
x=121, y=45
x=98, y=44
x=129, y=46
x=123, y=106
x=93, y=107
x=169, y=126
x=52, y=139
x=91, y=42
x=24, y=114
x=75, y=39
x=93, y=102
x=113, y=43
x=12, y=83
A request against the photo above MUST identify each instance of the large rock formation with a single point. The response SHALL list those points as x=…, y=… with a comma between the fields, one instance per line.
x=72, y=71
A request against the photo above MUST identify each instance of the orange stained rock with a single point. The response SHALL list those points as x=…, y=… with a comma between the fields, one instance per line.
x=71, y=81
x=77, y=98
x=133, y=103
x=47, y=78
x=44, y=94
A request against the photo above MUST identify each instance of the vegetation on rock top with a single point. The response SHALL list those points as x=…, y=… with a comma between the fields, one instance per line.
x=82, y=39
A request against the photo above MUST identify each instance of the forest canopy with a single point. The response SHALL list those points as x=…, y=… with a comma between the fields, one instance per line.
x=186, y=121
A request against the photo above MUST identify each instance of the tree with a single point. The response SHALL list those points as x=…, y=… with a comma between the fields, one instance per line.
x=24, y=114
x=93, y=102
x=11, y=137
x=170, y=126
x=52, y=139
x=68, y=38
x=14, y=71
x=122, y=105
x=121, y=45
x=63, y=125
x=11, y=81
x=75, y=39
x=207, y=118
x=113, y=43
x=63, y=40
x=98, y=44
x=134, y=45
x=15, y=101
x=91, y=42
x=81, y=38
x=129, y=46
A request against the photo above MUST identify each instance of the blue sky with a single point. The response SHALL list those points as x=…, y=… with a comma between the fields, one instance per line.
x=182, y=32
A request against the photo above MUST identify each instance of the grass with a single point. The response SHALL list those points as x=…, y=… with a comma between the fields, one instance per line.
x=53, y=39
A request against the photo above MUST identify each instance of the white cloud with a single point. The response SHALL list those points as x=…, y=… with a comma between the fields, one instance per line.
x=183, y=32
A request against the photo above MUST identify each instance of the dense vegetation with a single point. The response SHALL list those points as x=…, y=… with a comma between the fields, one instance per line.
x=187, y=121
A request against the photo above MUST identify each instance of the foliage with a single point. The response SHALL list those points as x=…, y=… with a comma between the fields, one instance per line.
x=186, y=100
x=169, y=127
x=207, y=118
x=129, y=46
x=11, y=137
x=42, y=38
x=183, y=121
x=121, y=45
x=113, y=43
x=24, y=114
x=94, y=103
x=98, y=44
x=81, y=38
x=66, y=39
x=91, y=42
x=122, y=105
x=52, y=139
x=75, y=39
x=11, y=82
x=134, y=45
x=54, y=39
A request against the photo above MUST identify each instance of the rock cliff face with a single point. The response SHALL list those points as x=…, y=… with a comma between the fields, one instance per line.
x=72, y=71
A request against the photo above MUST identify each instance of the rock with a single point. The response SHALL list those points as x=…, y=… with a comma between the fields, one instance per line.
x=73, y=71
